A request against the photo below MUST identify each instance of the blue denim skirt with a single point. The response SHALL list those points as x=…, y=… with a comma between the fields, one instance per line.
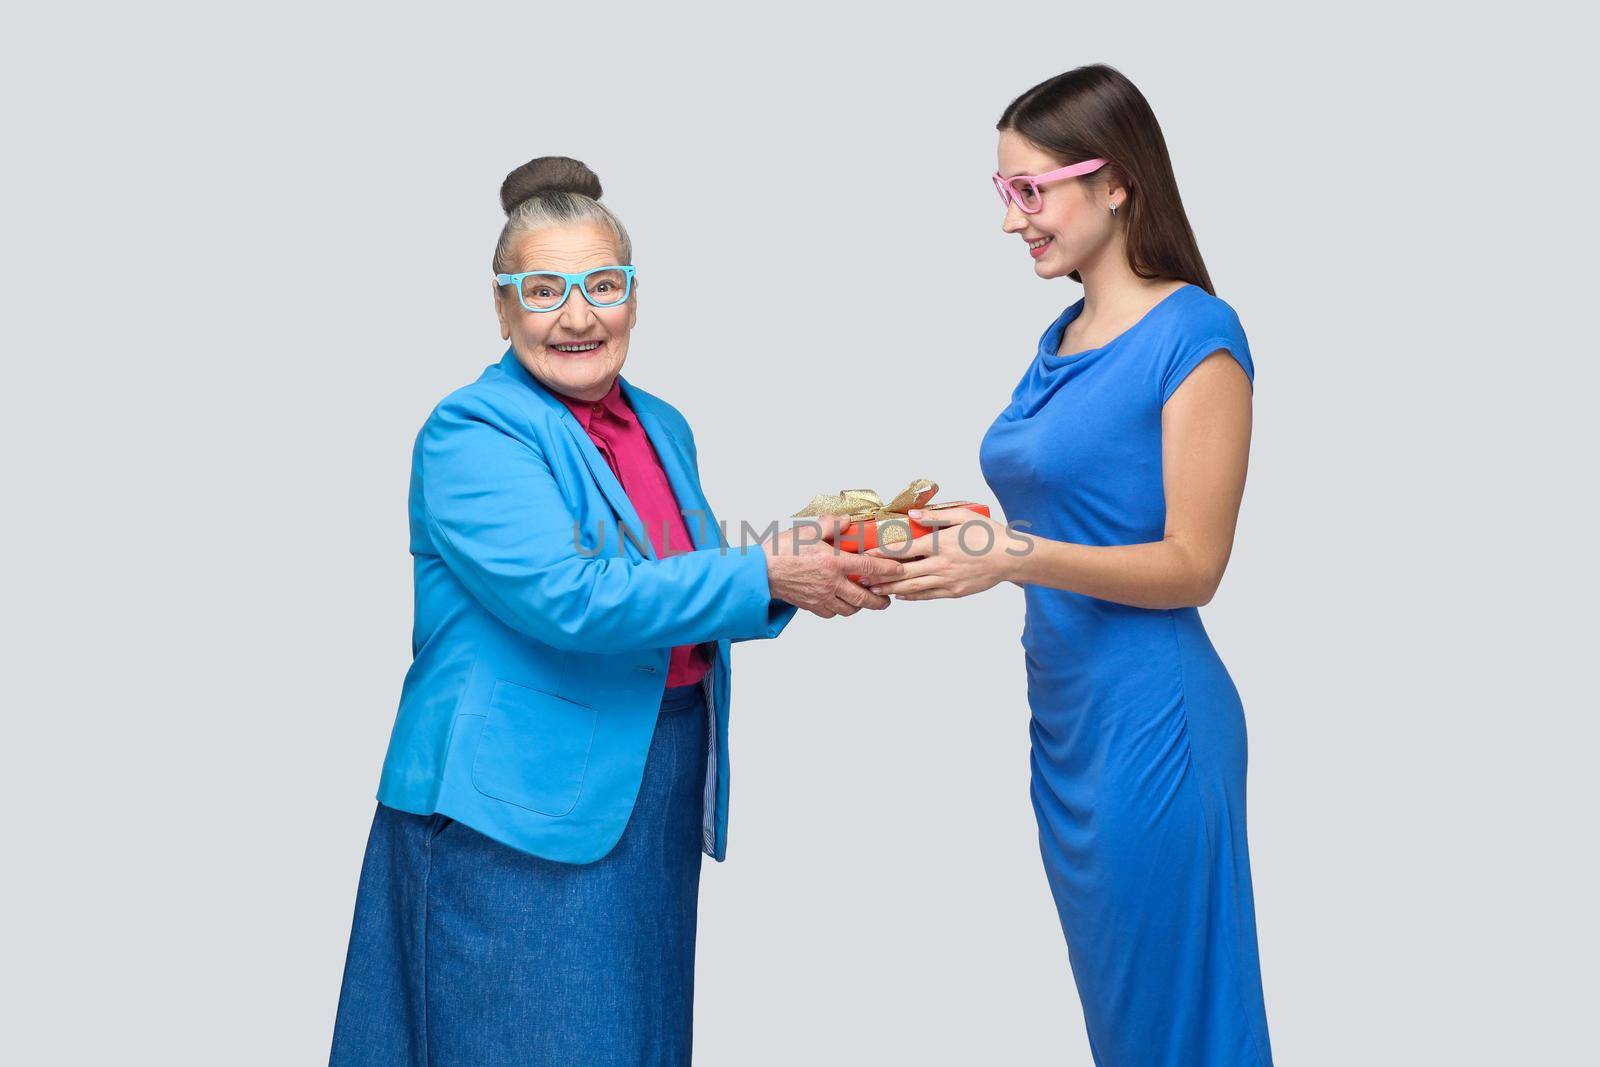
x=465, y=951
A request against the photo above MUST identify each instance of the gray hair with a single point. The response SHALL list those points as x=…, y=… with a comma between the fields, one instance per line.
x=546, y=210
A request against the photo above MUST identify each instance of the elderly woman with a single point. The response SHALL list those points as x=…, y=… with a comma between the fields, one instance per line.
x=559, y=759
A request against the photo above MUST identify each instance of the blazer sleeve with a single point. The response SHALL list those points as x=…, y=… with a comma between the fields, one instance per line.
x=779, y=612
x=500, y=523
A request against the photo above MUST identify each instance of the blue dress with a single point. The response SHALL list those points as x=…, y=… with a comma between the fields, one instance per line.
x=1138, y=738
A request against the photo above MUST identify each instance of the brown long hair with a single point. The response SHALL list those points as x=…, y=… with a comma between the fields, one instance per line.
x=1095, y=112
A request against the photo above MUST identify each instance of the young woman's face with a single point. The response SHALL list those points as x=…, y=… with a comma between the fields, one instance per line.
x=578, y=349
x=1073, y=226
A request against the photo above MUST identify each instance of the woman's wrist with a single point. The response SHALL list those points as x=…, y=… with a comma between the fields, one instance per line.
x=1017, y=562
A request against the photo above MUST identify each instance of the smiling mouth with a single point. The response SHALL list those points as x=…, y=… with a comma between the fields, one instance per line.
x=577, y=349
x=1036, y=248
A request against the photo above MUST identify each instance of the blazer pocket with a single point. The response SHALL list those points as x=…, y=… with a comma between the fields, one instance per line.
x=534, y=749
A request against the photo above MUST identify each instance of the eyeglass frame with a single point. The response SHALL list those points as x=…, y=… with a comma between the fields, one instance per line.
x=572, y=280
x=1008, y=193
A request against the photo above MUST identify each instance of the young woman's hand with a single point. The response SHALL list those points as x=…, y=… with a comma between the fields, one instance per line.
x=965, y=554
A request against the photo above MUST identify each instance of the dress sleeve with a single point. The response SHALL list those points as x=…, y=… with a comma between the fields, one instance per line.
x=1218, y=328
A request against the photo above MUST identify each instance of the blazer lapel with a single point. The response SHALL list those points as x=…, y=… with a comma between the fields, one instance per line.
x=599, y=469
x=703, y=528
x=607, y=480
x=680, y=474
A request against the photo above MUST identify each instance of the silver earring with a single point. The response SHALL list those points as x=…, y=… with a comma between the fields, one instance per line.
x=1113, y=209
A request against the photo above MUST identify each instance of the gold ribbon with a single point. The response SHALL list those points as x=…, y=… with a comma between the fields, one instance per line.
x=864, y=504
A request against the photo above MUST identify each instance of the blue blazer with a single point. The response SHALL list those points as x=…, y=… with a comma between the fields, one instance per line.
x=539, y=665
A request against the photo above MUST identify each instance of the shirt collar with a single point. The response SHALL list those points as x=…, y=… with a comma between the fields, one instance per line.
x=612, y=403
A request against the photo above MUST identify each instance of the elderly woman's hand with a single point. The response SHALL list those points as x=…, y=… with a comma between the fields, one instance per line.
x=804, y=569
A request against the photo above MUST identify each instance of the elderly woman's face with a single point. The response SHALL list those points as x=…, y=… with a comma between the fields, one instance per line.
x=577, y=349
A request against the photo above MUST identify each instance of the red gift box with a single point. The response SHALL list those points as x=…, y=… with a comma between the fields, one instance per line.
x=862, y=535
x=880, y=523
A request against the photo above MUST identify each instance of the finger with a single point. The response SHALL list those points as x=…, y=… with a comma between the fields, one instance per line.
x=928, y=594
x=942, y=516
x=870, y=567
x=909, y=550
x=851, y=593
x=843, y=607
x=919, y=584
x=917, y=568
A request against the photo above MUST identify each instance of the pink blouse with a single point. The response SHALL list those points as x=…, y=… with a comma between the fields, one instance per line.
x=615, y=431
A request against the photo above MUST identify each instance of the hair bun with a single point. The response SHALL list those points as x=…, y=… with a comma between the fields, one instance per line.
x=548, y=174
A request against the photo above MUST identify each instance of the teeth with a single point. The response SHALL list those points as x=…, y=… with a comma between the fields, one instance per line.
x=1040, y=243
x=587, y=347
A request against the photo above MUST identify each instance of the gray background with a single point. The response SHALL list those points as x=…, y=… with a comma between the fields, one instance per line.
x=247, y=252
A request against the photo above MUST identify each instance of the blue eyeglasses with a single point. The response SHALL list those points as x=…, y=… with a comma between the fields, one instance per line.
x=547, y=290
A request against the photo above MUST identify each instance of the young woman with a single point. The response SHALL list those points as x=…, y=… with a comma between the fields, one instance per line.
x=1124, y=449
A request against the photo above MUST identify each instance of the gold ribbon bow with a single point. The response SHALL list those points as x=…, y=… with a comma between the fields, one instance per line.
x=865, y=504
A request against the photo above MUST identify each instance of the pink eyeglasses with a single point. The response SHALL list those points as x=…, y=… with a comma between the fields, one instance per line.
x=1023, y=189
